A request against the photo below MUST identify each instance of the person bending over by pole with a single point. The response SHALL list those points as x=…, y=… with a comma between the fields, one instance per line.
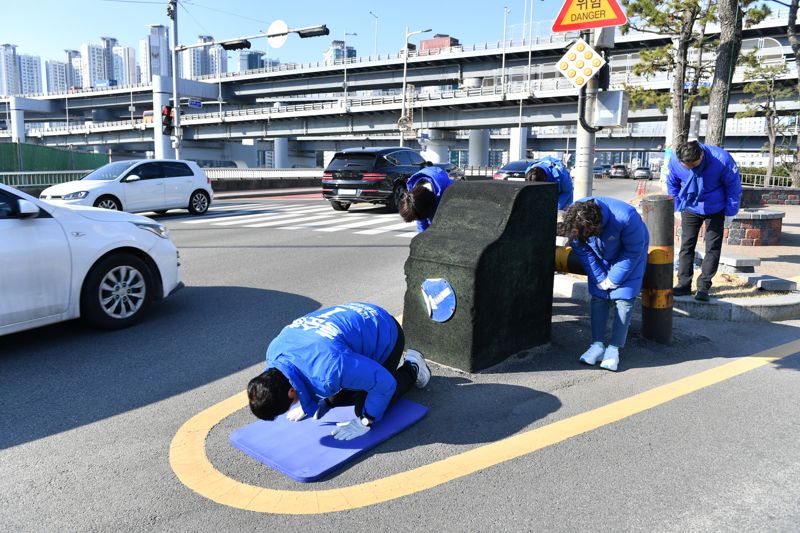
x=348, y=354
x=550, y=169
x=425, y=189
x=611, y=240
x=705, y=182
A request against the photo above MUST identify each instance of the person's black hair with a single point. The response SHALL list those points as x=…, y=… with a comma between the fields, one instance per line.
x=268, y=394
x=690, y=152
x=417, y=204
x=537, y=174
x=582, y=220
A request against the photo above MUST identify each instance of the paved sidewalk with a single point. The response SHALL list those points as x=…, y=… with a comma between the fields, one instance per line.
x=783, y=260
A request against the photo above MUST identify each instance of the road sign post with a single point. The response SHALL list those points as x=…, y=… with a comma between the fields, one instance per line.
x=580, y=65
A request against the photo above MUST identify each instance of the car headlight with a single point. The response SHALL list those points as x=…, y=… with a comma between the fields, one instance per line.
x=76, y=195
x=157, y=229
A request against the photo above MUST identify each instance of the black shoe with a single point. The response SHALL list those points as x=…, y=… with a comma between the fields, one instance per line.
x=701, y=296
x=681, y=291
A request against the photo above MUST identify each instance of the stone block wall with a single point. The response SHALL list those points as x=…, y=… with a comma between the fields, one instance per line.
x=750, y=227
x=759, y=196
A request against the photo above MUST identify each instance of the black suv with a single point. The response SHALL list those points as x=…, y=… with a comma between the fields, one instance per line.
x=373, y=175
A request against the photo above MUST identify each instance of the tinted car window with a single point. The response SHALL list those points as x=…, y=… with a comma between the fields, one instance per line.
x=352, y=162
x=148, y=171
x=414, y=158
x=174, y=170
x=516, y=166
x=110, y=171
x=8, y=205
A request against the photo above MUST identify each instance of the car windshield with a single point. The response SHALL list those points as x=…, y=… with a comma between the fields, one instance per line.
x=352, y=162
x=516, y=166
x=110, y=171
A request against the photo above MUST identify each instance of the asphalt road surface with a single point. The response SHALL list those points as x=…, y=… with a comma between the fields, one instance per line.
x=696, y=436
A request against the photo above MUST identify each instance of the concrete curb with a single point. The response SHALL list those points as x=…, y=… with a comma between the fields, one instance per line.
x=767, y=308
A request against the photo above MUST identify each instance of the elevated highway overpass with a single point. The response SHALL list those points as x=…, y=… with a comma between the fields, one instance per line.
x=454, y=89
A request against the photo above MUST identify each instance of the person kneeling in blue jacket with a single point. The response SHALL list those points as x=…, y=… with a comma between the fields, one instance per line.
x=425, y=189
x=611, y=241
x=348, y=354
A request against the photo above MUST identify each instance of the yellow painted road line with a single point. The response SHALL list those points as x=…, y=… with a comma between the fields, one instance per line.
x=187, y=454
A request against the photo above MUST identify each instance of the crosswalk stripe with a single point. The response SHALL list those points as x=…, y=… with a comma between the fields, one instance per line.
x=323, y=222
x=233, y=206
x=274, y=222
x=408, y=235
x=359, y=224
x=249, y=219
x=384, y=229
x=224, y=214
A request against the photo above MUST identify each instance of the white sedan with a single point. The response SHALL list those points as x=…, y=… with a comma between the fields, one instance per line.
x=60, y=263
x=138, y=185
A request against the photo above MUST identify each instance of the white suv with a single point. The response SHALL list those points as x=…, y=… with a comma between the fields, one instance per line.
x=138, y=185
x=59, y=263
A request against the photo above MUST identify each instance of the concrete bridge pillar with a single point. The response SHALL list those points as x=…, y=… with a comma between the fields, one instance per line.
x=281, y=152
x=162, y=92
x=436, y=145
x=517, y=144
x=478, y=148
x=17, y=121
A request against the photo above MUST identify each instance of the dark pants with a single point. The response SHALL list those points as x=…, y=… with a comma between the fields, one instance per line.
x=405, y=376
x=690, y=228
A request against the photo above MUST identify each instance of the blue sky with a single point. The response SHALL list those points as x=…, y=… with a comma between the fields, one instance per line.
x=53, y=25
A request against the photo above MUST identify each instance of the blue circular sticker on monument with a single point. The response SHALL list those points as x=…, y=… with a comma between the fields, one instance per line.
x=440, y=299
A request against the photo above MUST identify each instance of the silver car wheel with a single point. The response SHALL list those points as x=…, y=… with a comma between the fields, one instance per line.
x=107, y=203
x=200, y=202
x=122, y=292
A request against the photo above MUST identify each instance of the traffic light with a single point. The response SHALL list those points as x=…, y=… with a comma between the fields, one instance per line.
x=236, y=45
x=166, y=119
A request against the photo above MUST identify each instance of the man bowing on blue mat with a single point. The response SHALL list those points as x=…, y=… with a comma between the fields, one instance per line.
x=348, y=354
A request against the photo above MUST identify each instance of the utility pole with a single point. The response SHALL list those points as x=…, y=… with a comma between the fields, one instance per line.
x=582, y=173
x=172, y=12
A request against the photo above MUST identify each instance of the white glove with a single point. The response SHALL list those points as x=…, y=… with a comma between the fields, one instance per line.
x=349, y=430
x=296, y=413
x=606, y=285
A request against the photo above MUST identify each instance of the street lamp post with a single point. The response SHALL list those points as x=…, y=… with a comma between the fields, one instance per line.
x=375, y=52
x=344, y=59
x=506, y=11
x=403, y=120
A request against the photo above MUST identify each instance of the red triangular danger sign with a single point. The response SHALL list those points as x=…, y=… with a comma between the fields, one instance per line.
x=586, y=14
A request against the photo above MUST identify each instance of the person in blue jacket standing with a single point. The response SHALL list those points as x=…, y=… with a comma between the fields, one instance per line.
x=551, y=169
x=348, y=354
x=611, y=240
x=425, y=190
x=705, y=183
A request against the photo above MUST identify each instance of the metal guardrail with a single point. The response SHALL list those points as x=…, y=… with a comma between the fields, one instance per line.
x=41, y=178
x=222, y=174
x=47, y=178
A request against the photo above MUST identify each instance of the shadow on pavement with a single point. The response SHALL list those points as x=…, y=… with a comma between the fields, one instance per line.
x=693, y=339
x=49, y=381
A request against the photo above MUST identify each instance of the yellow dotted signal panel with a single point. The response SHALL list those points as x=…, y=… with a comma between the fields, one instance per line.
x=580, y=63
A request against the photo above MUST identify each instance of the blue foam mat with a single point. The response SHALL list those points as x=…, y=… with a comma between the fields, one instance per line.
x=305, y=451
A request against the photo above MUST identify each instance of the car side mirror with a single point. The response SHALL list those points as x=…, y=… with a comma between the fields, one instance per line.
x=27, y=209
x=131, y=178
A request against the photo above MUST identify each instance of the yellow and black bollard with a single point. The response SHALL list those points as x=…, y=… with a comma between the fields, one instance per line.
x=658, y=215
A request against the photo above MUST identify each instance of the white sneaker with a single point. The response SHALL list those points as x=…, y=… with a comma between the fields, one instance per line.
x=610, y=358
x=593, y=354
x=419, y=364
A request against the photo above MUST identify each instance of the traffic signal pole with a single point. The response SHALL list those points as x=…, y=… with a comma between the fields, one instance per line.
x=172, y=12
x=583, y=171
